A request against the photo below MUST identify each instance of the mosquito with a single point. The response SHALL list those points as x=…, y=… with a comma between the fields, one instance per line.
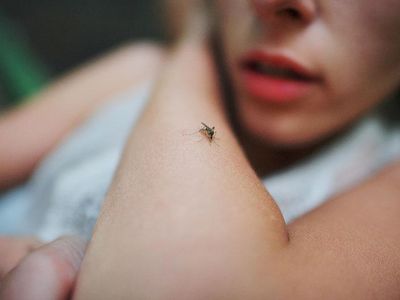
x=208, y=131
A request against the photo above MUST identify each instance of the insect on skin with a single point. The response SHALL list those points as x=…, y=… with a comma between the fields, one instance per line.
x=208, y=131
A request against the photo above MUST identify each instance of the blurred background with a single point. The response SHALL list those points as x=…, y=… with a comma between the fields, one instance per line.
x=41, y=39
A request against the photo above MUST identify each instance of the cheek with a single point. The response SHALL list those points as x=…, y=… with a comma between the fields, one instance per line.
x=363, y=53
x=360, y=73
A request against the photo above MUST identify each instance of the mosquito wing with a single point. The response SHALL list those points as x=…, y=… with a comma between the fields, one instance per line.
x=206, y=126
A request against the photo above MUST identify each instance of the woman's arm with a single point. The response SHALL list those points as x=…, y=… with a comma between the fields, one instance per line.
x=29, y=132
x=187, y=212
x=190, y=220
x=349, y=247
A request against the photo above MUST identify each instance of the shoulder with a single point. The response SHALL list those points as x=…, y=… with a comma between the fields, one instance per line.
x=353, y=239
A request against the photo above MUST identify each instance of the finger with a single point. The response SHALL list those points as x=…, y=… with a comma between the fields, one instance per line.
x=48, y=273
x=12, y=250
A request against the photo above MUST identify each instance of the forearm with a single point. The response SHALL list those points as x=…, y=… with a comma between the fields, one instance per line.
x=29, y=132
x=182, y=214
x=190, y=220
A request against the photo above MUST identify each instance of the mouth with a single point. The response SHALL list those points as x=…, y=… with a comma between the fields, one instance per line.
x=275, y=78
x=265, y=69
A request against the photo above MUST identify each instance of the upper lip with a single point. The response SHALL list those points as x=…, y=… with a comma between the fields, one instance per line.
x=278, y=61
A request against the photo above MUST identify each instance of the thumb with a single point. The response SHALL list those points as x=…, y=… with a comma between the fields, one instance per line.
x=47, y=273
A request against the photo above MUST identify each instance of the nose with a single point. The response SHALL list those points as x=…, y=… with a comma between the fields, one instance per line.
x=304, y=11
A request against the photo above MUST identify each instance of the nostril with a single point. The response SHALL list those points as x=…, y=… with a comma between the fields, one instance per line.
x=302, y=11
x=290, y=13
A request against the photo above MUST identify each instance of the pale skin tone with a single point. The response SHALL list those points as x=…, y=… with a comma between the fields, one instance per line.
x=184, y=220
x=60, y=107
x=53, y=113
x=204, y=228
x=46, y=273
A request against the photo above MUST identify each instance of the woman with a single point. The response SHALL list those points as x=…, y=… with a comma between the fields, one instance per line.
x=190, y=220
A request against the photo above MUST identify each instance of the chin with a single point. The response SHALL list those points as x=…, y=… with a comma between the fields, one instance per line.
x=280, y=132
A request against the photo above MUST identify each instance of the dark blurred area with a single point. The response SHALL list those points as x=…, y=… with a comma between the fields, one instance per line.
x=40, y=39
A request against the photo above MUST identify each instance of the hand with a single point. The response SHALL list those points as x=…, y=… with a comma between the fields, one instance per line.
x=46, y=273
x=12, y=250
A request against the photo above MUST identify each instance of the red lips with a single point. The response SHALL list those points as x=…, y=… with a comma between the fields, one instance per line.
x=275, y=78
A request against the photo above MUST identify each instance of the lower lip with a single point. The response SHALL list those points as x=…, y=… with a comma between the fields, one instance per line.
x=271, y=89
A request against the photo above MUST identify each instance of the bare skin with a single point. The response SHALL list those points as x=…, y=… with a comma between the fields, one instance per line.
x=194, y=222
x=12, y=250
x=46, y=273
x=37, y=127
x=80, y=93
x=191, y=221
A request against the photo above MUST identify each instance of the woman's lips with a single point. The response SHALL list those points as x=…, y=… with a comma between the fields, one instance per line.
x=275, y=78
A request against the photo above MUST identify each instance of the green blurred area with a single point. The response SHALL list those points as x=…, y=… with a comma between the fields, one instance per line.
x=40, y=39
x=21, y=72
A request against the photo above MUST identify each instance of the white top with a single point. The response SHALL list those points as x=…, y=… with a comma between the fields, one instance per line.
x=66, y=192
